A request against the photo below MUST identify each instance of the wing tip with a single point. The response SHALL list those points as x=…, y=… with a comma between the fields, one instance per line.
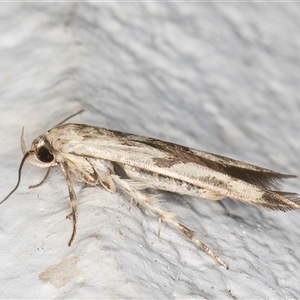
x=283, y=201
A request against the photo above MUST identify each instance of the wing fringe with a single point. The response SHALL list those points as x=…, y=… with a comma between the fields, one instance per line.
x=277, y=200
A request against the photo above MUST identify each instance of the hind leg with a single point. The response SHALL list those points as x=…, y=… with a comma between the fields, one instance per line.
x=150, y=202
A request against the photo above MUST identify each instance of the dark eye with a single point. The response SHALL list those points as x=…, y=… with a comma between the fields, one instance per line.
x=44, y=155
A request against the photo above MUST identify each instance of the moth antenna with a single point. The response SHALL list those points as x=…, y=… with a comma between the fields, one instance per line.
x=23, y=146
x=19, y=176
x=70, y=117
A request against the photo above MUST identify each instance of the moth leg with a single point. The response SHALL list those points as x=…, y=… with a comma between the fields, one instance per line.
x=131, y=201
x=73, y=198
x=44, y=179
x=103, y=170
x=148, y=202
x=159, y=227
x=68, y=216
x=106, y=181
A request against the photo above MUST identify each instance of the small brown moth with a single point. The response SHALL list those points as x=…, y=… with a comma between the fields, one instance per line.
x=133, y=163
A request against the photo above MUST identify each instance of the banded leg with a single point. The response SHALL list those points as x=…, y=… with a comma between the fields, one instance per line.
x=149, y=202
x=73, y=199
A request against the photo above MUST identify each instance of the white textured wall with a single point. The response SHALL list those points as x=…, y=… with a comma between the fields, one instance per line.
x=221, y=77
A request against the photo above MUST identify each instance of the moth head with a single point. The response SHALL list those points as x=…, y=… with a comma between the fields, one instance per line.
x=40, y=154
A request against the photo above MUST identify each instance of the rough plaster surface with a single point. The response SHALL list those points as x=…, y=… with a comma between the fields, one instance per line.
x=221, y=77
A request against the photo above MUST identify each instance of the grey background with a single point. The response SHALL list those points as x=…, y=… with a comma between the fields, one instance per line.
x=220, y=77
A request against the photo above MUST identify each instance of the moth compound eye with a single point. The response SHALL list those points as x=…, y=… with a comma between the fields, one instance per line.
x=44, y=155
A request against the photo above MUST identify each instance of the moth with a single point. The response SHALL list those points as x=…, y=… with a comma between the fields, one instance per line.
x=133, y=164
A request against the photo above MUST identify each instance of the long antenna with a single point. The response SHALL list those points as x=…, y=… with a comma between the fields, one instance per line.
x=70, y=117
x=19, y=176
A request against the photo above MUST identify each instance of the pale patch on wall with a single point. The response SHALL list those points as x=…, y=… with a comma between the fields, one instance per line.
x=60, y=274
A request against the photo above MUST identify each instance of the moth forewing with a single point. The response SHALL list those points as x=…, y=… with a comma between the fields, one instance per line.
x=177, y=162
x=132, y=163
